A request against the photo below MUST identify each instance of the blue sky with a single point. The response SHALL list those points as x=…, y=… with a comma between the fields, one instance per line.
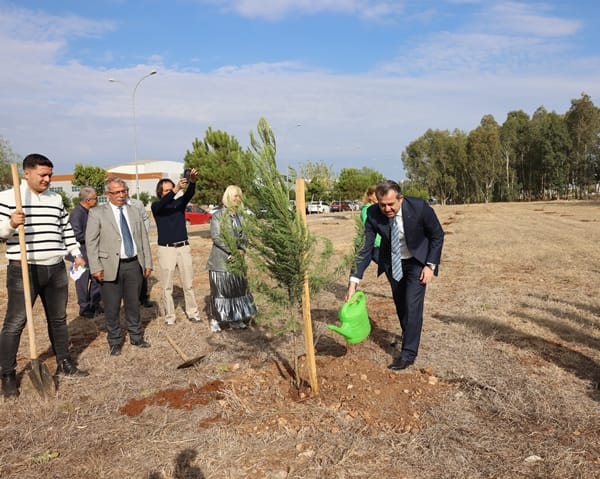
x=346, y=82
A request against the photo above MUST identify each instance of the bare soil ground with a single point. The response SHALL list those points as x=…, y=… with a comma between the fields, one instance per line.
x=505, y=386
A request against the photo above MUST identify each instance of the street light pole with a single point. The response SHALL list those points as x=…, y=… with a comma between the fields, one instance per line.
x=135, y=141
x=287, y=171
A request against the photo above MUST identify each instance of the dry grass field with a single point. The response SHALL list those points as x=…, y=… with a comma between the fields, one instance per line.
x=505, y=386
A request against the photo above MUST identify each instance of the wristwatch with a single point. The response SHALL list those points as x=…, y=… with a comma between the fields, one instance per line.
x=432, y=266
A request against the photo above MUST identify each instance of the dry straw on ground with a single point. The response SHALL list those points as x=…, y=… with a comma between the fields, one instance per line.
x=505, y=386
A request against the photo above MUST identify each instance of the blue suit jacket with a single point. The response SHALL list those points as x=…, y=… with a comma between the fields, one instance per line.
x=422, y=229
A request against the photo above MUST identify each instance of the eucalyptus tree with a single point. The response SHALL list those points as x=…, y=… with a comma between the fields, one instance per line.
x=435, y=161
x=515, y=138
x=485, y=157
x=549, y=152
x=220, y=161
x=583, y=123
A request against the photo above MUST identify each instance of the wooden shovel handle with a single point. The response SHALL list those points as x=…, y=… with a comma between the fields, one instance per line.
x=24, y=266
x=176, y=348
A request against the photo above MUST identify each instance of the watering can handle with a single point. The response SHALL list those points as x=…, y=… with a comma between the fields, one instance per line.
x=357, y=296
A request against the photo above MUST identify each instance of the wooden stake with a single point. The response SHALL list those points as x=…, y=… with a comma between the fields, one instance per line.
x=307, y=320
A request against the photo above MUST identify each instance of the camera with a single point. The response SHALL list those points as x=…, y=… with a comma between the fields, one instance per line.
x=186, y=174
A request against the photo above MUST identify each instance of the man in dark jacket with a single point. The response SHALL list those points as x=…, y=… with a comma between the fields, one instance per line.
x=174, y=250
x=409, y=255
x=87, y=288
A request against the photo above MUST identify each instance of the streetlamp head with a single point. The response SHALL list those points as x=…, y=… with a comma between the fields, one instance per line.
x=153, y=72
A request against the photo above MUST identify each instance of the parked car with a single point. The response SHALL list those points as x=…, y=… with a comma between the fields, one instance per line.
x=317, y=207
x=337, y=206
x=194, y=215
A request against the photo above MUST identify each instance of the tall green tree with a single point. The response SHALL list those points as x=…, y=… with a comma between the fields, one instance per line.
x=93, y=176
x=352, y=183
x=583, y=123
x=434, y=161
x=515, y=138
x=549, y=151
x=485, y=157
x=220, y=161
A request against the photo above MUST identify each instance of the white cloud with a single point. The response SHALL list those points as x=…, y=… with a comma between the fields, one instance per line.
x=27, y=24
x=72, y=113
x=500, y=37
x=277, y=9
x=29, y=38
x=530, y=19
x=475, y=52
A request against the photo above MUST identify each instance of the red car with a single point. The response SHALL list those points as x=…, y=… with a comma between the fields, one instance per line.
x=196, y=216
x=337, y=206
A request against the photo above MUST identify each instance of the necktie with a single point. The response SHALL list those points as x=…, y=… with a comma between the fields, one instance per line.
x=127, y=240
x=396, y=256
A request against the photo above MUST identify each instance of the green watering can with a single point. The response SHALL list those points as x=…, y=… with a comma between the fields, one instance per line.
x=354, y=318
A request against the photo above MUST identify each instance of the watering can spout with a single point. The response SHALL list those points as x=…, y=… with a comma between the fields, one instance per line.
x=354, y=318
x=336, y=329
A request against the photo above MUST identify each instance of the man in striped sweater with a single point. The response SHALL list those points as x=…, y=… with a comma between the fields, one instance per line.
x=49, y=237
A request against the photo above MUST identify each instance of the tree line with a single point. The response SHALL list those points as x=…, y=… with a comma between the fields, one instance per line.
x=545, y=156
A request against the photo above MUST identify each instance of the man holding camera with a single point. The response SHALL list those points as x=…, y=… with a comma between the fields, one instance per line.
x=173, y=246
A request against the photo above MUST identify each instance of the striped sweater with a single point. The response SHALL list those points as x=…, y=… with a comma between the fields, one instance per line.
x=48, y=233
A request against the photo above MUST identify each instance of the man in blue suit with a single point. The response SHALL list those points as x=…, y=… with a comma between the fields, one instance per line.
x=410, y=260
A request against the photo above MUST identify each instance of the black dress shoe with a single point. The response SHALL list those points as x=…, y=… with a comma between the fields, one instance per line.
x=87, y=313
x=9, y=385
x=140, y=343
x=68, y=368
x=147, y=303
x=116, y=350
x=399, y=363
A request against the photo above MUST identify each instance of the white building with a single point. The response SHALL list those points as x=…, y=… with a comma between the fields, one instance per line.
x=144, y=177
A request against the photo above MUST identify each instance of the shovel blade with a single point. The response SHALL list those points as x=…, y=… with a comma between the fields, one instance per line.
x=191, y=362
x=41, y=379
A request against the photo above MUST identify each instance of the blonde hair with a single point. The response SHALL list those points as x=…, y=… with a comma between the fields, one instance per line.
x=370, y=192
x=230, y=191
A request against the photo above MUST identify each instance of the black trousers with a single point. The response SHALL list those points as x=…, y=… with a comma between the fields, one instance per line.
x=51, y=285
x=125, y=288
x=409, y=298
x=144, y=290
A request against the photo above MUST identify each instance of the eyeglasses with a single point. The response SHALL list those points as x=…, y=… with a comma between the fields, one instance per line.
x=118, y=192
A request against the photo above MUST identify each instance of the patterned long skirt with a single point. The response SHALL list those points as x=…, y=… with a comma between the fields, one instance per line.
x=230, y=300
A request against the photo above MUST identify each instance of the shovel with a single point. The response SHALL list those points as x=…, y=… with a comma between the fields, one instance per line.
x=187, y=362
x=39, y=375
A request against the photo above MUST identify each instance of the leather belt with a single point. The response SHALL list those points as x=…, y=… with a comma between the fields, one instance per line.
x=128, y=260
x=176, y=245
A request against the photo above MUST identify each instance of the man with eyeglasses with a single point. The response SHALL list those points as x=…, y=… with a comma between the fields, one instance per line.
x=119, y=255
x=87, y=288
